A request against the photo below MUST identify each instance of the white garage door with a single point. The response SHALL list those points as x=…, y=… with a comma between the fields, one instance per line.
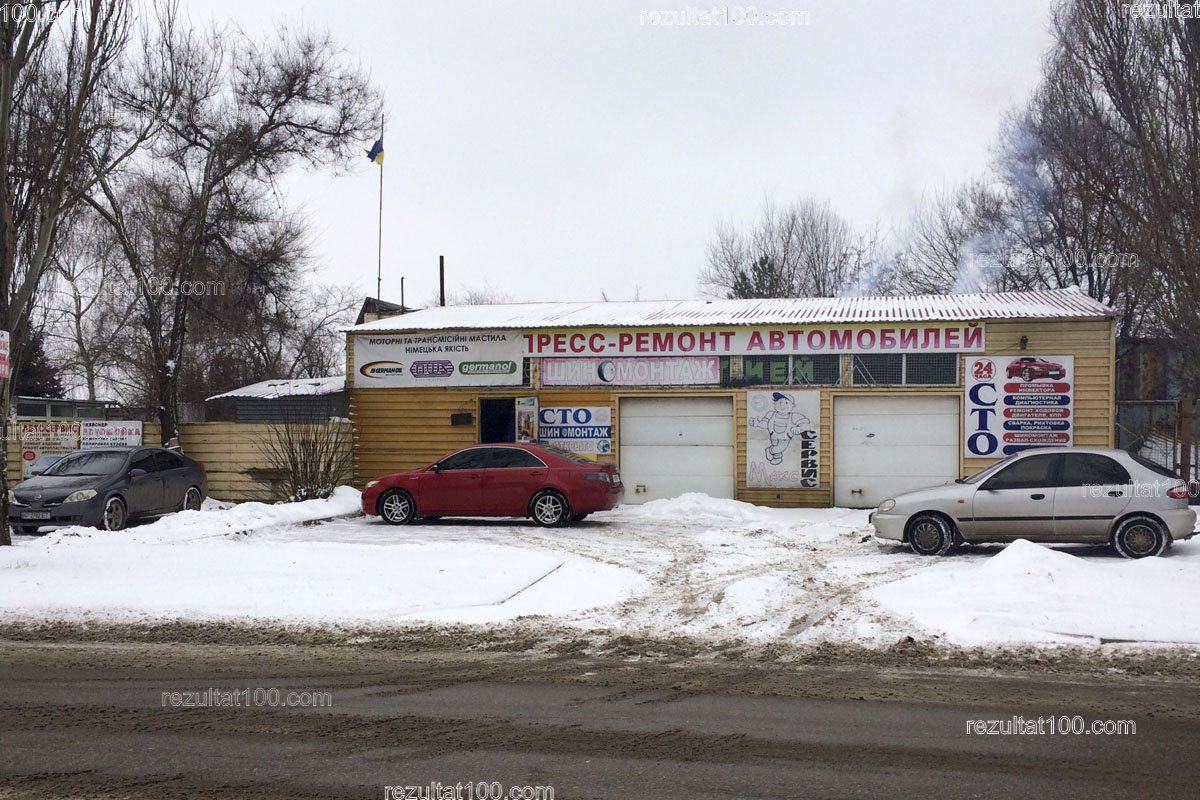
x=883, y=446
x=673, y=445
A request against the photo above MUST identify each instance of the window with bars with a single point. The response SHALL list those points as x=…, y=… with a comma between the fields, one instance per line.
x=818, y=370
x=908, y=369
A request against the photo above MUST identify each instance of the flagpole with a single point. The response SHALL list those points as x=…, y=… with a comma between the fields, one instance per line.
x=379, y=252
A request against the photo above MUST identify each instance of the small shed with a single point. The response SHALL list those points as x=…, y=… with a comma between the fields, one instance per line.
x=290, y=400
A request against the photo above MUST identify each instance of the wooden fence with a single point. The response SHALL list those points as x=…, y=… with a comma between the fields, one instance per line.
x=233, y=456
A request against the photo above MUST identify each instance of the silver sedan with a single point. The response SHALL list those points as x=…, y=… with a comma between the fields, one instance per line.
x=1047, y=495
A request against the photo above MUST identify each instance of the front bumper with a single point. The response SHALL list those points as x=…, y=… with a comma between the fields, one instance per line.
x=1181, y=522
x=888, y=526
x=87, y=512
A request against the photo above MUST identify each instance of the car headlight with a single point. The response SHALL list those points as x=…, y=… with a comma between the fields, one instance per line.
x=887, y=505
x=80, y=496
x=372, y=483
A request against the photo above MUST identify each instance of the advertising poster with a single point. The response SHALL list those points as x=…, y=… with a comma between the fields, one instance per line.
x=1015, y=403
x=527, y=424
x=95, y=433
x=580, y=429
x=700, y=371
x=782, y=447
x=5, y=367
x=438, y=358
x=47, y=439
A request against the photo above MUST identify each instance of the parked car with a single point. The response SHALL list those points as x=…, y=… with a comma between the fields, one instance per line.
x=551, y=486
x=39, y=466
x=1047, y=495
x=108, y=489
x=1030, y=368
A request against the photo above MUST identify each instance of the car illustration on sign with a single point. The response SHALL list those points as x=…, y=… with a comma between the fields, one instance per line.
x=1031, y=368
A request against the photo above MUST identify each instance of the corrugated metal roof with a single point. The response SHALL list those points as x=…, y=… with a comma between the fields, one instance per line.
x=273, y=390
x=1047, y=304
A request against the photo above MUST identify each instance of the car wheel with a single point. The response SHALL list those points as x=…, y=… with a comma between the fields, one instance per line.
x=579, y=517
x=1140, y=537
x=1026, y=374
x=115, y=515
x=549, y=509
x=930, y=535
x=192, y=500
x=397, y=507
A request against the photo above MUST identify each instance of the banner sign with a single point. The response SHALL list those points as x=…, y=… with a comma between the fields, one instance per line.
x=47, y=439
x=580, y=429
x=438, y=358
x=925, y=337
x=782, y=444
x=527, y=424
x=5, y=364
x=700, y=371
x=95, y=434
x=1014, y=403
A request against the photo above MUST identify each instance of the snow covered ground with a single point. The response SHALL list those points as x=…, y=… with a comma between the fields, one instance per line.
x=694, y=566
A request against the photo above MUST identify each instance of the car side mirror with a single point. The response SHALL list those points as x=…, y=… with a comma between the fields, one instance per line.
x=137, y=472
x=435, y=468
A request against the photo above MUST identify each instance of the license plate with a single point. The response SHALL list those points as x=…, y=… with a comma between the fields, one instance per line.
x=35, y=515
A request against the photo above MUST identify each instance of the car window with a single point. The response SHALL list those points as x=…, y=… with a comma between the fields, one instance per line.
x=512, y=458
x=476, y=458
x=1034, y=472
x=1090, y=469
x=164, y=460
x=144, y=460
x=988, y=471
x=1157, y=469
x=567, y=454
x=98, y=462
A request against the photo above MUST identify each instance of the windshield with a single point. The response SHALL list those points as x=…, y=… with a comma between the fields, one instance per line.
x=984, y=473
x=100, y=462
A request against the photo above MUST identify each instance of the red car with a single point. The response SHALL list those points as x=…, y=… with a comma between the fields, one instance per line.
x=1030, y=368
x=552, y=486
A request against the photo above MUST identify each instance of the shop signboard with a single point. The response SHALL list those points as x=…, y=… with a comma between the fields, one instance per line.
x=109, y=433
x=580, y=429
x=1015, y=403
x=47, y=438
x=438, y=358
x=652, y=371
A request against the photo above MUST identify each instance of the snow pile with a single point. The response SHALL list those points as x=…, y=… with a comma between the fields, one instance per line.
x=1030, y=593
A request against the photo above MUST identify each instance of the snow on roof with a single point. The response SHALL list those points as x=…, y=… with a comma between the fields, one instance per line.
x=273, y=390
x=1046, y=304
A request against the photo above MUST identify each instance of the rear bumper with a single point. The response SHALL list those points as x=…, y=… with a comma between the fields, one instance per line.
x=1181, y=522
x=596, y=497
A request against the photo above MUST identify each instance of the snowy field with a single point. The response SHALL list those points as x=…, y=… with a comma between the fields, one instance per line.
x=693, y=566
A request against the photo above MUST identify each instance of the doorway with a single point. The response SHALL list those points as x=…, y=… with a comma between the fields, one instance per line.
x=497, y=420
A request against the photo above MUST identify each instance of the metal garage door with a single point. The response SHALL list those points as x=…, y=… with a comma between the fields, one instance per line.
x=883, y=446
x=672, y=445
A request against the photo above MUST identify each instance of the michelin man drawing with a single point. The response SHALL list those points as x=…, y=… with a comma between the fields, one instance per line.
x=782, y=425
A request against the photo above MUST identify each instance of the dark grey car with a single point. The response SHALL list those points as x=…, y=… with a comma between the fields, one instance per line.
x=108, y=489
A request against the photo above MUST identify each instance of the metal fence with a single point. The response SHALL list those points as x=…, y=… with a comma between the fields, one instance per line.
x=1165, y=431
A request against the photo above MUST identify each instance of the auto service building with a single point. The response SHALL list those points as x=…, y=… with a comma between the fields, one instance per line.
x=797, y=402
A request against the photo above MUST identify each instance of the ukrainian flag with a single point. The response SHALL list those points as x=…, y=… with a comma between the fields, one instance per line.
x=376, y=152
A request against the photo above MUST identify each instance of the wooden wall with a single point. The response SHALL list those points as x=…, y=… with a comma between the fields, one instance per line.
x=232, y=454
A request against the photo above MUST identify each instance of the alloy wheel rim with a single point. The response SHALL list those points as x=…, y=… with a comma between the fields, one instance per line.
x=114, y=516
x=395, y=507
x=191, y=500
x=549, y=509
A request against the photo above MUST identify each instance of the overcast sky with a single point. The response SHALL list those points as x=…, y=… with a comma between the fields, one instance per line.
x=553, y=150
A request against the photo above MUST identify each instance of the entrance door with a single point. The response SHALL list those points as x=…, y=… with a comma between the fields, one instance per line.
x=497, y=419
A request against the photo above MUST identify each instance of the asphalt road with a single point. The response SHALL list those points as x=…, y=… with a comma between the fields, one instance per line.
x=96, y=720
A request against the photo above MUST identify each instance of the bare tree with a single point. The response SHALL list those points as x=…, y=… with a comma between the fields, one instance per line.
x=802, y=250
x=59, y=79
x=311, y=457
x=240, y=115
